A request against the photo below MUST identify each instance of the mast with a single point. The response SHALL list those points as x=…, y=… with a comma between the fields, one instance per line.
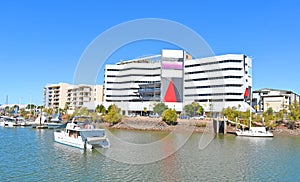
x=250, y=117
x=249, y=109
x=41, y=117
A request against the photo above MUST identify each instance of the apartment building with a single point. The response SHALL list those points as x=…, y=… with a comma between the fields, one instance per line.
x=277, y=99
x=55, y=95
x=78, y=95
x=74, y=96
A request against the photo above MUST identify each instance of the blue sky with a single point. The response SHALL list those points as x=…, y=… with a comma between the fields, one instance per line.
x=42, y=41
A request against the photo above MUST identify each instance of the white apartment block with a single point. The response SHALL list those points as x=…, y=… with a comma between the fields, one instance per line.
x=74, y=96
x=276, y=99
x=78, y=95
x=55, y=95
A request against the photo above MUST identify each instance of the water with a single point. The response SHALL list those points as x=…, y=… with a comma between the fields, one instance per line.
x=31, y=155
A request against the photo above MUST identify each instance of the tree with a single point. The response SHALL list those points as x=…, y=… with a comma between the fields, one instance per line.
x=101, y=109
x=6, y=108
x=294, y=114
x=113, y=116
x=295, y=111
x=268, y=114
x=200, y=110
x=40, y=107
x=193, y=108
x=49, y=110
x=280, y=115
x=23, y=113
x=65, y=109
x=83, y=111
x=270, y=111
x=110, y=107
x=232, y=113
x=160, y=108
x=30, y=106
x=170, y=116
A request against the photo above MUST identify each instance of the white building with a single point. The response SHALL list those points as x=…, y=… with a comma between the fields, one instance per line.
x=55, y=95
x=218, y=82
x=74, y=96
x=276, y=99
x=77, y=95
x=176, y=79
x=122, y=80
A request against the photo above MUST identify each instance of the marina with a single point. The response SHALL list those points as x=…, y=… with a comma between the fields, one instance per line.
x=149, y=91
x=32, y=155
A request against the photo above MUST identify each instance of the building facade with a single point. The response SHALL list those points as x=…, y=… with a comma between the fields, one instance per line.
x=218, y=82
x=55, y=95
x=74, y=96
x=77, y=95
x=276, y=99
x=125, y=80
x=176, y=79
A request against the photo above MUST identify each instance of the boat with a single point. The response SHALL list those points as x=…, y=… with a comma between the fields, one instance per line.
x=82, y=135
x=40, y=127
x=40, y=122
x=55, y=122
x=255, y=132
x=260, y=131
x=22, y=122
x=8, y=121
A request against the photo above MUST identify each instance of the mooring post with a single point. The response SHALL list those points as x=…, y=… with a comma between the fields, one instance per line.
x=225, y=125
x=216, y=126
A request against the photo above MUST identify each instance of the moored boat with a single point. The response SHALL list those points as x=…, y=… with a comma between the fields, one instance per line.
x=82, y=135
x=54, y=123
x=255, y=132
x=8, y=121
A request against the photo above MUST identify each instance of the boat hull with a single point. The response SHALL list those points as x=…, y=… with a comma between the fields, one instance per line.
x=54, y=125
x=249, y=134
x=60, y=137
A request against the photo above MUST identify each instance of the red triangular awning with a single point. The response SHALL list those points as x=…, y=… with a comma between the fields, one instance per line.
x=170, y=95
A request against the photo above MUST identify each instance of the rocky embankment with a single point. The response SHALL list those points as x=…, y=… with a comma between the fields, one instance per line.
x=156, y=124
x=142, y=123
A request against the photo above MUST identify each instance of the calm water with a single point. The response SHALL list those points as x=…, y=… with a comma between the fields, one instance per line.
x=31, y=155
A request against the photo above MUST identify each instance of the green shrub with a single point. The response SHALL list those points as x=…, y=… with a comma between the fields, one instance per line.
x=170, y=116
x=113, y=116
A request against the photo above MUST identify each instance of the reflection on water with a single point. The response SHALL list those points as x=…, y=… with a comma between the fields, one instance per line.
x=31, y=155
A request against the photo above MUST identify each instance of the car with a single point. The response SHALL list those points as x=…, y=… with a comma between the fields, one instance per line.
x=198, y=117
x=131, y=115
x=154, y=115
x=184, y=117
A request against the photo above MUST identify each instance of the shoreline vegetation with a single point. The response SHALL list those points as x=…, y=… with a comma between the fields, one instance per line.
x=144, y=123
x=282, y=123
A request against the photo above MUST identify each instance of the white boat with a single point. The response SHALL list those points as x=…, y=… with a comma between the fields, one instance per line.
x=260, y=131
x=8, y=121
x=255, y=132
x=82, y=135
x=55, y=122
